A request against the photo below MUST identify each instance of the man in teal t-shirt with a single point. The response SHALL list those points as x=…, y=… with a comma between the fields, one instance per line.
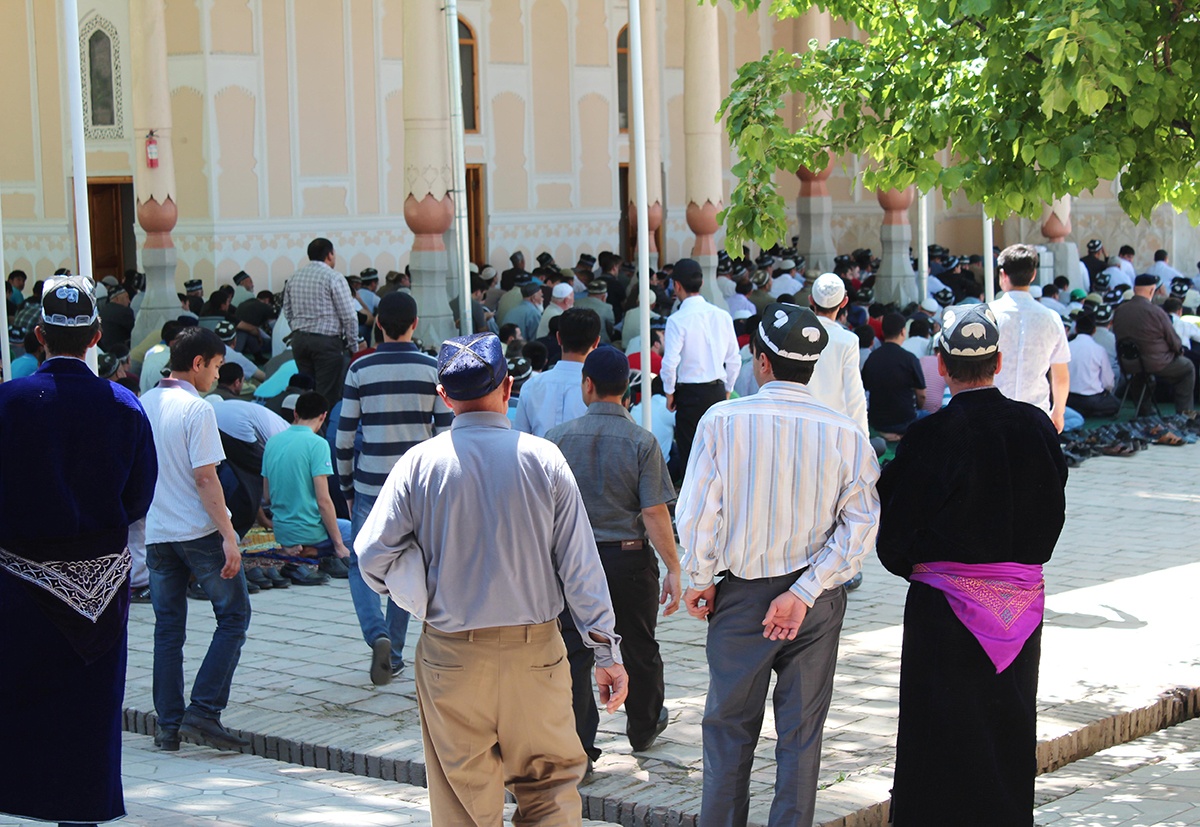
x=296, y=466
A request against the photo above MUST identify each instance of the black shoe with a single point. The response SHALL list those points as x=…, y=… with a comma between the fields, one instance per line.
x=642, y=746
x=167, y=740
x=252, y=587
x=305, y=575
x=278, y=581
x=256, y=577
x=335, y=567
x=381, y=662
x=854, y=582
x=141, y=595
x=209, y=731
x=196, y=591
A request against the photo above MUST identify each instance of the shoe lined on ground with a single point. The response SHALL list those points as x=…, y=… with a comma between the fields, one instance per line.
x=278, y=581
x=252, y=587
x=256, y=576
x=141, y=595
x=335, y=567
x=209, y=731
x=167, y=740
x=305, y=575
x=381, y=661
x=642, y=746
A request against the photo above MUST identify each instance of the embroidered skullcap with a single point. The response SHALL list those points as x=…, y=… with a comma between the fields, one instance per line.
x=241, y=277
x=1114, y=296
x=1094, y=245
x=193, y=286
x=969, y=330
x=520, y=369
x=369, y=275
x=69, y=301
x=828, y=290
x=1103, y=314
x=760, y=278
x=792, y=332
x=1078, y=295
x=944, y=297
x=106, y=365
x=787, y=265
x=1180, y=285
x=225, y=331
x=545, y=259
x=765, y=260
x=471, y=366
x=597, y=287
x=586, y=262
x=1101, y=280
x=529, y=288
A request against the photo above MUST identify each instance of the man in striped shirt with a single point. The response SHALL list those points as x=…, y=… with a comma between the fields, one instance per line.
x=779, y=495
x=390, y=402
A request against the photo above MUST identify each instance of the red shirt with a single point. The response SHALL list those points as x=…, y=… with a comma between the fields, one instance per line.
x=635, y=362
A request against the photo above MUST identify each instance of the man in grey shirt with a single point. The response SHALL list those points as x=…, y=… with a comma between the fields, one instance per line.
x=626, y=488
x=497, y=571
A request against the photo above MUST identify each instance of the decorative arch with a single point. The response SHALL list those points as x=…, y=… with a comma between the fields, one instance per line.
x=103, y=96
x=468, y=55
x=623, y=79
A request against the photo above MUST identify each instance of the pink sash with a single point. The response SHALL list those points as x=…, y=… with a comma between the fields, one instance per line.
x=1000, y=603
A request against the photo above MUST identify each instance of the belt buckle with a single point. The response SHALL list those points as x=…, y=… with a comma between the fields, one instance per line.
x=630, y=545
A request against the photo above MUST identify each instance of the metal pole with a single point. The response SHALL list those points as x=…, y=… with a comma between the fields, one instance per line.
x=638, y=113
x=922, y=246
x=989, y=263
x=459, y=167
x=5, y=349
x=83, y=224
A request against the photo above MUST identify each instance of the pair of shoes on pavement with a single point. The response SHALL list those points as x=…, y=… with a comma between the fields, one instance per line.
x=335, y=567
x=257, y=577
x=210, y=732
x=304, y=575
x=659, y=726
x=278, y=581
x=141, y=595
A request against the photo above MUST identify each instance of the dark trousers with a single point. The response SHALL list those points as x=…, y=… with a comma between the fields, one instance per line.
x=633, y=583
x=324, y=359
x=1180, y=373
x=1102, y=404
x=740, y=663
x=691, y=401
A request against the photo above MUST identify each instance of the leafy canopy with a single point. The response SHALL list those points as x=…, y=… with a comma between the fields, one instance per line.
x=1016, y=102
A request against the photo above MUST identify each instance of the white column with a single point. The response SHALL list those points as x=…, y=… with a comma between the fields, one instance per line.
x=652, y=97
x=814, y=206
x=1056, y=228
x=702, y=137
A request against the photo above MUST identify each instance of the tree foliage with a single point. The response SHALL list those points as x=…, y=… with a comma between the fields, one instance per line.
x=1016, y=102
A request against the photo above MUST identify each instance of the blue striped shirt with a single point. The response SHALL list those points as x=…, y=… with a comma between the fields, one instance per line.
x=391, y=396
x=777, y=482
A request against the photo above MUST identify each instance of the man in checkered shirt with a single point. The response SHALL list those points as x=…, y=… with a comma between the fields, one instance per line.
x=320, y=310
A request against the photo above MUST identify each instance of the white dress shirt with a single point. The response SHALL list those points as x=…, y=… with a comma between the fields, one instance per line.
x=1164, y=271
x=1117, y=277
x=777, y=482
x=785, y=283
x=247, y=421
x=919, y=346
x=1091, y=370
x=1127, y=268
x=1032, y=338
x=1187, y=331
x=1055, y=305
x=550, y=398
x=699, y=346
x=837, y=380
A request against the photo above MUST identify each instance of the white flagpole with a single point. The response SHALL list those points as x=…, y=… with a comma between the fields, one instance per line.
x=922, y=246
x=83, y=225
x=459, y=170
x=638, y=114
x=989, y=263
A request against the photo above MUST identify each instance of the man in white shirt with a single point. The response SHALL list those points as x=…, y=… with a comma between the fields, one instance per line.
x=1049, y=299
x=1033, y=341
x=919, y=340
x=700, y=355
x=1125, y=262
x=837, y=380
x=1162, y=269
x=562, y=299
x=785, y=284
x=158, y=357
x=189, y=533
x=781, y=600
x=243, y=288
x=1187, y=332
x=1091, y=373
x=556, y=395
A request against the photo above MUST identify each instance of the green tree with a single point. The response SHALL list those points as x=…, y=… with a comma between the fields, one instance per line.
x=1032, y=99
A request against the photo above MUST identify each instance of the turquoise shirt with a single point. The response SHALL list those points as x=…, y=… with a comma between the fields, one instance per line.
x=290, y=461
x=24, y=365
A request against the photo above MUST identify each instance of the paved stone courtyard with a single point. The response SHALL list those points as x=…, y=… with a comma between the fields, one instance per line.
x=1120, y=631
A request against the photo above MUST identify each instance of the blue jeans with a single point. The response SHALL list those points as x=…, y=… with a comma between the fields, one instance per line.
x=371, y=618
x=325, y=547
x=171, y=565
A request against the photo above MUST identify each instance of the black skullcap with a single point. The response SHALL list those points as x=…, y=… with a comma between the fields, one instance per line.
x=1146, y=280
x=69, y=301
x=1094, y=245
x=607, y=365
x=792, y=332
x=969, y=330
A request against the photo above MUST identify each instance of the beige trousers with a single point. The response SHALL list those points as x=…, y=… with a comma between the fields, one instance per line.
x=496, y=712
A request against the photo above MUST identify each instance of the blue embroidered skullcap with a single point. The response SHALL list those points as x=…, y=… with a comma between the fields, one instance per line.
x=472, y=366
x=69, y=301
x=969, y=330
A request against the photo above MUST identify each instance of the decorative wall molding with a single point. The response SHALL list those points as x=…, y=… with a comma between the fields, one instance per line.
x=90, y=26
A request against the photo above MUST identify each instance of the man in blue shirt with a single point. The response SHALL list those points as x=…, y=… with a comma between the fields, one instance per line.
x=556, y=396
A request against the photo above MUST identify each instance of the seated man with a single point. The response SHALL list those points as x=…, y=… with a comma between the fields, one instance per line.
x=1091, y=372
x=894, y=383
x=1159, y=345
x=296, y=465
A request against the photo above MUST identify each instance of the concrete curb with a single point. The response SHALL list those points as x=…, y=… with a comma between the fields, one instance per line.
x=1173, y=707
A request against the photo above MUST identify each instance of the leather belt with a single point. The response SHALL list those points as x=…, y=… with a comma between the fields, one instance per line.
x=621, y=545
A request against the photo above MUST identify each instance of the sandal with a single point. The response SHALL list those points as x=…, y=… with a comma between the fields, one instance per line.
x=1169, y=438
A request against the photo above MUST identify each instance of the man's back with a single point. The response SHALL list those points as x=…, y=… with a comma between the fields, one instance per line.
x=890, y=375
x=837, y=380
x=1090, y=368
x=1032, y=338
x=604, y=311
x=391, y=395
x=317, y=299
x=1151, y=328
x=290, y=461
x=699, y=345
x=186, y=438
x=551, y=398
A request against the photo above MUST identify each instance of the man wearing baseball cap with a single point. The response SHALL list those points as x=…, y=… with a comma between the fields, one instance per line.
x=503, y=543
x=64, y=568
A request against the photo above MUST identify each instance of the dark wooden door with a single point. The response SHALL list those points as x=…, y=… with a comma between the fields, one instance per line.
x=476, y=231
x=107, y=230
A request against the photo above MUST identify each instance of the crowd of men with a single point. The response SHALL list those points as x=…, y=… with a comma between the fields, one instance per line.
x=502, y=489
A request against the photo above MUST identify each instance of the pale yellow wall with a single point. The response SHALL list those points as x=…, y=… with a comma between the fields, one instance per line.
x=394, y=112
x=17, y=159
x=366, y=144
x=191, y=175
x=510, y=190
x=321, y=89
x=506, y=35
x=278, y=109
x=392, y=29
x=672, y=54
x=237, y=181
x=183, y=26
x=54, y=189
x=595, y=161
x=232, y=27
x=591, y=33
x=551, y=91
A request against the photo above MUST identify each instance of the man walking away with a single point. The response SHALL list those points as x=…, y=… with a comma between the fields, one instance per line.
x=390, y=402
x=556, y=396
x=188, y=533
x=503, y=539
x=320, y=310
x=700, y=355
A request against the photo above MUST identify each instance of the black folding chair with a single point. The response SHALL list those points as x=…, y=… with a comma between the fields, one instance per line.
x=1129, y=354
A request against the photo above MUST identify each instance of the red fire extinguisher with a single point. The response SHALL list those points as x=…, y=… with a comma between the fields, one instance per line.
x=151, y=150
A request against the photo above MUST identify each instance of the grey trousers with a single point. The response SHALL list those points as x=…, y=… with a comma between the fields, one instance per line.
x=740, y=662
